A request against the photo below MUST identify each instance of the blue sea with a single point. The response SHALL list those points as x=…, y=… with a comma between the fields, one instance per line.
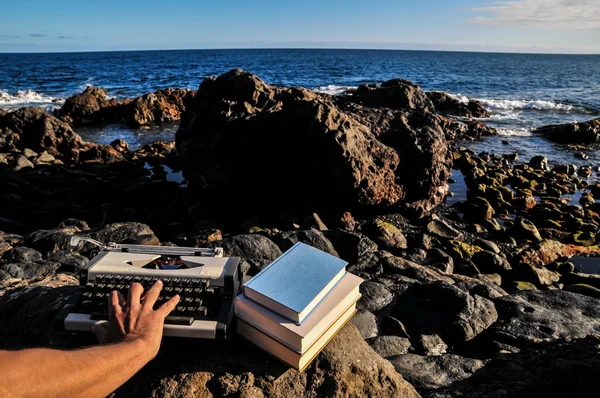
x=522, y=91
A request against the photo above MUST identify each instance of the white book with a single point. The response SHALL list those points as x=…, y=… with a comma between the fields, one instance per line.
x=294, y=359
x=300, y=337
x=295, y=283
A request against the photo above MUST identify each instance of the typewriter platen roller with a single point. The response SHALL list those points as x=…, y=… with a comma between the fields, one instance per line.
x=206, y=281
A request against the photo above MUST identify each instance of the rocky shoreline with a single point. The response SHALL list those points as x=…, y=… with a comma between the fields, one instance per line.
x=473, y=299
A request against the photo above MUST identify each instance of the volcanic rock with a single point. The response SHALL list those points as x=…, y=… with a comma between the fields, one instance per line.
x=445, y=103
x=243, y=135
x=579, y=133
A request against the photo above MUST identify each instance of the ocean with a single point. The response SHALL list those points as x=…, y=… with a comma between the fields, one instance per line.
x=522, y=91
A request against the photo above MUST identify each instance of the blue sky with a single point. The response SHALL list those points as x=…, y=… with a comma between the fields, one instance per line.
x=564, y=26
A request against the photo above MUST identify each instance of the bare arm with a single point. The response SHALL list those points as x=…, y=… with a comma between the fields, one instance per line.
x=136, y=330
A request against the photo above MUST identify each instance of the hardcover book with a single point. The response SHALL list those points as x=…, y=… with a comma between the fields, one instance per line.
x=293, y=358
x=296, y=282
x=300, y=337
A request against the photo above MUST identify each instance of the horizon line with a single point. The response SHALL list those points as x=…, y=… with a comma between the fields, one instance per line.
x=299, y=48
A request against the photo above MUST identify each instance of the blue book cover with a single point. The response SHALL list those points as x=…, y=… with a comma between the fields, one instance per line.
x=295, y=283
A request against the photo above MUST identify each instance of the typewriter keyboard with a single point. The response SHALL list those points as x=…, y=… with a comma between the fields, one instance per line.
x=199, y=300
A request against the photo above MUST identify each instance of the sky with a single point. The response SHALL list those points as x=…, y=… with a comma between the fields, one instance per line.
x=547, y=26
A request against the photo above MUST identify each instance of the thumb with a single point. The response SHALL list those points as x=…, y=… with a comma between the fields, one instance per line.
x=100, y=332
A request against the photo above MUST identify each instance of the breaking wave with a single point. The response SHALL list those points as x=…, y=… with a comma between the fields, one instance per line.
x=25, y=98
x=333, y=89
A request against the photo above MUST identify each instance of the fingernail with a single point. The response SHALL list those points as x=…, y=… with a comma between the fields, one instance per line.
x=158, y=282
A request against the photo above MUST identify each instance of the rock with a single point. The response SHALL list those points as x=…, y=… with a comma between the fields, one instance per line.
x=312, y=237
x=204, y=237
x=432, y=344
x=385, y=234
x=366, y=323
x=489, y=263
x=559, y=369
x=397, y=94
x=388, y=346
x=517, y=286
x=539, y=162
x=441, y=260
x=39, y=131
x=314, y=221
x=576, y=278
x=159, y=107
x=583, y=238
x=444, y=103
x=443, y=309
x=127, y=232
x=26, y=254
x=4, y=248
x=22, y=163
x=258, y=250
x=352, y=161
x=375, y=296
x=539, y=276
x=90, y=106
x=579, y=133
x=350, y=245
x=348, y=222
x=443, y=230
x=487, y=245
x=347, y=366
x=535, y=316
x=433, y=372
x=29, y=269
x=549, y=251
x=69, y=261
x=586, y=290
x=525, y=230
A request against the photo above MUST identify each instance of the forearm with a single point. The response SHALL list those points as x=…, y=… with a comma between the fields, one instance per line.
x=90, y=372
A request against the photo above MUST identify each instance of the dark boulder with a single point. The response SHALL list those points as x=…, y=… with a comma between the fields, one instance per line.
x=243, y=135
x=534, y=316
x=91, y=106
x=447, y=104
x=573, y=133
x=159, y=107
x=558, y=369
x=398, y=94
x=259, y=251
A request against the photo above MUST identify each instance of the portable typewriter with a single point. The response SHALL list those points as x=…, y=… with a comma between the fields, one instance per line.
x=206, y=281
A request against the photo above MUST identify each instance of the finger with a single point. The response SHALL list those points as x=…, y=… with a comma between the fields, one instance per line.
x=133, y=303
x=169, y=306
x=152, y=295
x=114, y=306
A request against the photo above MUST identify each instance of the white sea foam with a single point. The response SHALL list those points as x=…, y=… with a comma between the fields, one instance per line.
x=515, y=132
x=537, y=105
x=333, y=89
x=24, y=98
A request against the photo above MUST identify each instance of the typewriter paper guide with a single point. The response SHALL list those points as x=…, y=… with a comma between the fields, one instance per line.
x=296, y=281
x=207, y=267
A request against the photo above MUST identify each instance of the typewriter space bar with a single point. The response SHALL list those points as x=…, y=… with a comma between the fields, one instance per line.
x=170, y=320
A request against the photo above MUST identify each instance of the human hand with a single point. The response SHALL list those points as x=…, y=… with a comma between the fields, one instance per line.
x=135, y=319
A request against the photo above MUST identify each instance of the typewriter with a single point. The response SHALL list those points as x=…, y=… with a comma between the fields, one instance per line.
x=206, y=281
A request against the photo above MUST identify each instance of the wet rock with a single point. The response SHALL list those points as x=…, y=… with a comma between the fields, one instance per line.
x=312, y=237
x=359, y=156
x=443, y=309
x=388, y=346
x=535, y=316
x=539, y=276
x=375, y=296
x=576, y=278
x=366, y=323
x=447, y=104
x=90, y=106
x=487, y=245
x=433, y=372
x=583, y=238
x=539, y=162
x=579, y=133
x=258, y=250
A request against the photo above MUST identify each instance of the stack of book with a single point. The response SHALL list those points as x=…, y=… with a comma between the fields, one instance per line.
x=297, y=304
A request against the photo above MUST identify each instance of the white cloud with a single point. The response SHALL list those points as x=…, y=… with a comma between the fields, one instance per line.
x=565, y=14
